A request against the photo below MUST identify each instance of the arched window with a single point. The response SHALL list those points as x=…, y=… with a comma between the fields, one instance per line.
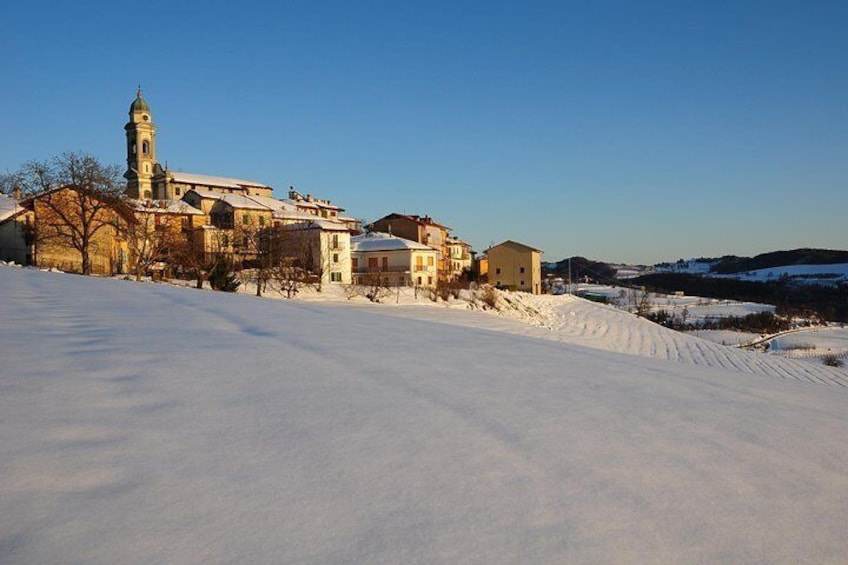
x=145, y=147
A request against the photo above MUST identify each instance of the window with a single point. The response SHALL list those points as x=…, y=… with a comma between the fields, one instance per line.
x=335, y=257
x=261, y=220
x=145, y=147
x=335, y=277
x=522, y=283
x=354, y=263
x=147, y=195
x=335, y=241
x=245, y=219
x=419, y=280
x=498, y=271
x=177, y=190
x=385, y=262
x=372, y=263
x=521, y=271
x=430, y=261
x=429, y=280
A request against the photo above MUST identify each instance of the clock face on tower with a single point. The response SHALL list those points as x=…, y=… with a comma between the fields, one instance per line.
x=144, y=117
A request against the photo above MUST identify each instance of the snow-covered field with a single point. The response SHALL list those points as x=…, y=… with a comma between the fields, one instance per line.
x=143, y=423
x=815, y=344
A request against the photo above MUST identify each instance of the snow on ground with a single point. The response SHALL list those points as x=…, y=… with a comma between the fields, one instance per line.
x=573, y=320
x=726, y=337
x=143, y=423
x=813, y=344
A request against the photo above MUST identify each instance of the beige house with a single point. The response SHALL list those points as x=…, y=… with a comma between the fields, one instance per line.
x=460, y=257
x=515, y=266
x=395, y=260
x=325, y=247
x=73, y=225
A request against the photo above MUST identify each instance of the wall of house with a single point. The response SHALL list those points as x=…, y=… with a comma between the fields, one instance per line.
x=405, y=267
x=335, y=257
x=505, y=268
x=400, y=227
x=54, y=247
x=13, y=244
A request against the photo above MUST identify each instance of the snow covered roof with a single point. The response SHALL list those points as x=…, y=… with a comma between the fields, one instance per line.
x=453, y=240
x=317, y=204
x=168, y=207
x=274, y=204
x=234, y=200
x=377, y=241
x=324, y=225
x=208, y=180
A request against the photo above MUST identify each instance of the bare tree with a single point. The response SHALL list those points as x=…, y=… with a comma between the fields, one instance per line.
x=33, y=177
x=265, y=249
x=75, y=198
x=152, y=236
x=88, y=201
x=196, y=257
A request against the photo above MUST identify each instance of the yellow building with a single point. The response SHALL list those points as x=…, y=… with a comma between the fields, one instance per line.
x=80, y=231
x=515, y=266
x=460, y=257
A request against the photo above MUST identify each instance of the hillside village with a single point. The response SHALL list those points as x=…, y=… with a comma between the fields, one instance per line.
x=166, y=223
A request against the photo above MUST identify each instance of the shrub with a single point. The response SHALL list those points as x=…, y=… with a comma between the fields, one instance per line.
x=489, y=296
x=223, y=278
x=831, y=360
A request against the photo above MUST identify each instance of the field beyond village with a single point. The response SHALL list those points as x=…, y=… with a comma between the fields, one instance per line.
x=147, y=423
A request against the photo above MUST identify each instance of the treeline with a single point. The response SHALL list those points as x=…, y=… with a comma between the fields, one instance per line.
x=757, y=322
x=827, y=302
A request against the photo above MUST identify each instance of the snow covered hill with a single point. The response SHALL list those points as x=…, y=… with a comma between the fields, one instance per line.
x=144, y=423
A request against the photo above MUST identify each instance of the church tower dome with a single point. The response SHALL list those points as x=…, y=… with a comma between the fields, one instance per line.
x=139, y=104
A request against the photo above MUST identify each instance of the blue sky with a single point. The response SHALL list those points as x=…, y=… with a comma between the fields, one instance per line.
x=620, y=131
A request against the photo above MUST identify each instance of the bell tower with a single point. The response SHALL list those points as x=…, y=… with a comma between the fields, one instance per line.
x=141, y=150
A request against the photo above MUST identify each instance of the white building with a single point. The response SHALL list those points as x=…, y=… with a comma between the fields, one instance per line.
x=396, y=261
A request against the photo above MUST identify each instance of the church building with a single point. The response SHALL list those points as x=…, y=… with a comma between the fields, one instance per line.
x=148, y=180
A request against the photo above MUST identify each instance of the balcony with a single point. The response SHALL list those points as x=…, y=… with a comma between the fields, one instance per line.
x=374, y=270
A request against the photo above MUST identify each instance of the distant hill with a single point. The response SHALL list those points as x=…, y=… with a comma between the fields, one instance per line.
x=731, y=264
x=582, y=268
